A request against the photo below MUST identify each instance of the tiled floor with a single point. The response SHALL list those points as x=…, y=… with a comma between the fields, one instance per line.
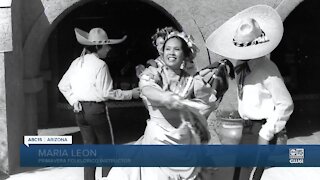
x=296, y=173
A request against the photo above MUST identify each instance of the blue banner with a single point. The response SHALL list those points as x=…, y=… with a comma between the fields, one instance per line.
x=170, y=155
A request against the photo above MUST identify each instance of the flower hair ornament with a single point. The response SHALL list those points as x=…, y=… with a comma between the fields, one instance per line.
x=188, y=39
x=161, y=33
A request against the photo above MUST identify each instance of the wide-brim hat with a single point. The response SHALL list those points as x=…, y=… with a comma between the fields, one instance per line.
x=96, y=36
x=228, y=39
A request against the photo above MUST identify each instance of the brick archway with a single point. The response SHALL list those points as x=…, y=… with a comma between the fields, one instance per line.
x=52, y=14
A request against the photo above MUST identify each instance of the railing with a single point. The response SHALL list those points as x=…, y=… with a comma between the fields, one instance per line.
x=110, y=104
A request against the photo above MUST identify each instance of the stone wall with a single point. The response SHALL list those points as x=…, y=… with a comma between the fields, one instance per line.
x=14, y=96
x=5, y=46
x=3, y=120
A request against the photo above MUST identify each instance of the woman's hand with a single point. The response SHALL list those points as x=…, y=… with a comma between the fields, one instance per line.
x=262, y=141
x=135, y=93
x=172, y=101
x=77, y=107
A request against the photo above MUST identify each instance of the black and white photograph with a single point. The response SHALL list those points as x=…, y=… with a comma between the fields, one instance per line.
x=232, y=84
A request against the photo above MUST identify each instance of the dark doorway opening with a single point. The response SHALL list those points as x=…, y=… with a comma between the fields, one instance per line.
x=136, y=19
x=298, y=58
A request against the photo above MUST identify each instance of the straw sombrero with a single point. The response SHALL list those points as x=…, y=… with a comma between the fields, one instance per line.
x=96, y=36
x=252, y=33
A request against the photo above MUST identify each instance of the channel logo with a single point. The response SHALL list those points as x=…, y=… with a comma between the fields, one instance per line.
x=296, y=155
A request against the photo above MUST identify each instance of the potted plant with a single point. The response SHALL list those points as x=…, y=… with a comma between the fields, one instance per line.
x=230, y=126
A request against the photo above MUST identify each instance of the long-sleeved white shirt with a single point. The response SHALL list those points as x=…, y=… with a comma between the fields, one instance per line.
x=89, y=79
x=265, y=96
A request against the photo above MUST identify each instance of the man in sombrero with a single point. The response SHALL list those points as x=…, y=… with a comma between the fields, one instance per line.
x=263, y=99
x=87, y=84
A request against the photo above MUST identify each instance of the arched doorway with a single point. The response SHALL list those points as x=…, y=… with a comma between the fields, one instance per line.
x=136, y=19
x=297, y=57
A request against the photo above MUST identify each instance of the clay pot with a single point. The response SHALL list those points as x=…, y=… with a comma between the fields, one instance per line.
x=230, y=130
